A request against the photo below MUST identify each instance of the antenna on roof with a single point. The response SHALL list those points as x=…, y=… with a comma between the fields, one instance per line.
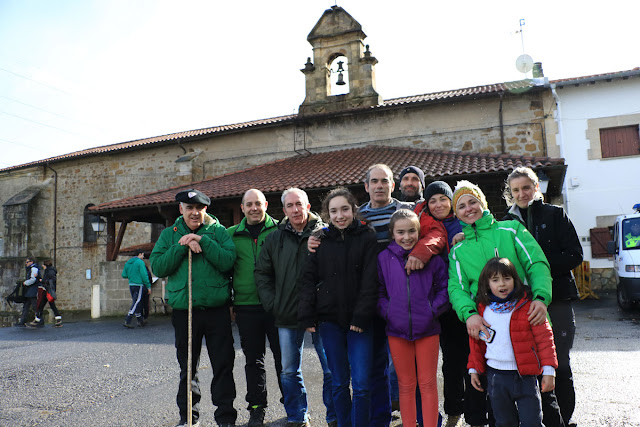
x=524, y=62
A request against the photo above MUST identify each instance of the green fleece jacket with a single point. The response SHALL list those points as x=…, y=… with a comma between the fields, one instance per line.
x=247, y=251
x=136, y=271
x=279, y=270
x=488, y=238
x=209, y=271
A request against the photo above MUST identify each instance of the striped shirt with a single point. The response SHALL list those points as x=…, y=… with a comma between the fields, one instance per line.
x=379, y=218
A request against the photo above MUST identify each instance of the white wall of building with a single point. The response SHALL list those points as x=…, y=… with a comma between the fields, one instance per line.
x=598, y=187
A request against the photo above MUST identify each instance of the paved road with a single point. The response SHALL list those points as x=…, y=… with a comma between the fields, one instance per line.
x=98, y=373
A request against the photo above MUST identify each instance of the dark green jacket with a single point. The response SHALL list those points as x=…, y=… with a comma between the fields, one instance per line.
x=279, y=270
x=209, y=271
x=247, y=251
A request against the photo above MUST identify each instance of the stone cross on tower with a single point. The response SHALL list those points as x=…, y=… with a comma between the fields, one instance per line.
x=337, y=34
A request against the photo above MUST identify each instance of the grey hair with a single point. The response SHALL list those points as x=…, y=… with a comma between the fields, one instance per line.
x=382, y=166
x=521, y=172
x=301, y=193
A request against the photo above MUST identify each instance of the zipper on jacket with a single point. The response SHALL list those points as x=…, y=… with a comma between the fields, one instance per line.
x=409, y=308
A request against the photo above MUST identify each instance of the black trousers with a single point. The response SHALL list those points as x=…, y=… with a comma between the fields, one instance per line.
x=31, y=301
x=255, y=326
x=214, y=325
x=42, y=301
x=564, y=395
x=454, y=343
x=459, y=395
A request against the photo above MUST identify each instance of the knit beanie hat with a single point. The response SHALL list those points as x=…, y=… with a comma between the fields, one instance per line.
x=438, y=187
x=413, y=169
x=465, y=188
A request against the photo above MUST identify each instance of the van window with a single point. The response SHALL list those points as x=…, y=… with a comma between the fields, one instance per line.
x=631, y=233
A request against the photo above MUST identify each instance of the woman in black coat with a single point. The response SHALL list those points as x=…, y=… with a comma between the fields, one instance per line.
x=554, y=232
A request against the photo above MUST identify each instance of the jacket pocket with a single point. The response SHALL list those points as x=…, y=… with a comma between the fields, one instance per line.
x=325, y=299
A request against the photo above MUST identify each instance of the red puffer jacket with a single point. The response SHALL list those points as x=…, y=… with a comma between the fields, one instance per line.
x=533, y=346
x=433, y=236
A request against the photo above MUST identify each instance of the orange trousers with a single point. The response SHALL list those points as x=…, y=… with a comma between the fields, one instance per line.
x=416, y=363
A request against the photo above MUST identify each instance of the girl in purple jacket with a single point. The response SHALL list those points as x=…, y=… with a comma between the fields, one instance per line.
x=411, y=304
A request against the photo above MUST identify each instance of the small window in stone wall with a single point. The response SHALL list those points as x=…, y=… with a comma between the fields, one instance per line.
x=89, y=236
x=599, y=238
x=620, y=141
x=156, y=229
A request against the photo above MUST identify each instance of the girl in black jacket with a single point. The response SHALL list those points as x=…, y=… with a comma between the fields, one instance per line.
x=553, y=230
x=338, y=296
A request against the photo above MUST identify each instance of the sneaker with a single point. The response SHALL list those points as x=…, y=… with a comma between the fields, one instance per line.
x=58, y=323
x=453, y=421
x=130, y=326
x=141, y=323
x=256, y=416
x=36, y=324
x=19, y=325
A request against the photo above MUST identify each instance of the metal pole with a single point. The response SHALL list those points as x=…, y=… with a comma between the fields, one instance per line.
x=189, y=351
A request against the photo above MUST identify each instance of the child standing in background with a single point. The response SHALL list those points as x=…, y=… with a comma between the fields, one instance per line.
x=411, y=304
x=515, y=353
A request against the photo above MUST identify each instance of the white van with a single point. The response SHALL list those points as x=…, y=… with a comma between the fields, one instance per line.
x=625, y=249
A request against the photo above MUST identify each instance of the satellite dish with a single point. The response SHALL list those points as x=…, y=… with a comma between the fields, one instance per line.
x=524, y=63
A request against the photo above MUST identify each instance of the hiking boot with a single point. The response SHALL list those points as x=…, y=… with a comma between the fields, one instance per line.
x=36, y=324
x=256, y=416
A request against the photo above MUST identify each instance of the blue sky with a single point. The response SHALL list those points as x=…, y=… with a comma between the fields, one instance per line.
x=76, y=74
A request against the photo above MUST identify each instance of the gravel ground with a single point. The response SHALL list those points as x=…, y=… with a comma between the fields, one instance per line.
x=98, y=373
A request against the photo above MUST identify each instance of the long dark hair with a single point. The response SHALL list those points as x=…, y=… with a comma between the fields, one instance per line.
x=505, y=268
x=337, y=192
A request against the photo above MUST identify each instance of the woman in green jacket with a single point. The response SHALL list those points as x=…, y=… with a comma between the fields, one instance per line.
x=486, y=238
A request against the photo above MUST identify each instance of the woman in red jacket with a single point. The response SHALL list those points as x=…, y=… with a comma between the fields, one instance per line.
x=515, y=353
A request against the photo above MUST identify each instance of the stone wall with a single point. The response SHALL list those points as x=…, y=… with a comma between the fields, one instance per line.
x=603, y=279
x=115, y=297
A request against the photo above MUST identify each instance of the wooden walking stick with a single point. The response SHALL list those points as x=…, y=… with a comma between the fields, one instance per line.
x=189, y=350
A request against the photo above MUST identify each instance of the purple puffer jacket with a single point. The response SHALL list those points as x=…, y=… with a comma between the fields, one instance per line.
x=411, y=304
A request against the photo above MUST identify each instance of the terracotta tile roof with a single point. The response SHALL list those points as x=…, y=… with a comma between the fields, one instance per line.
x=390, y=103
x=174, y=137
x=333, y=168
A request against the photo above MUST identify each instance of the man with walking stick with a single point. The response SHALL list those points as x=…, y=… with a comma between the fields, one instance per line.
x=199, y=236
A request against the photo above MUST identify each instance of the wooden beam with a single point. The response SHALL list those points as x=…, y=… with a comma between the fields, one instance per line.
x=113, y=255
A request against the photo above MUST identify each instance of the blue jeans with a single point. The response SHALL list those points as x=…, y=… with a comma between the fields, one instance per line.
x=515, y=399
x=350, y=358
x=295, y=393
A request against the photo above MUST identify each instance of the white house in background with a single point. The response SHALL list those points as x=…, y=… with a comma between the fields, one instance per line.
x=598, y=118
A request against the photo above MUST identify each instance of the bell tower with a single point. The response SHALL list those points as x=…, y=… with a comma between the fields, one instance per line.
x=338, y=36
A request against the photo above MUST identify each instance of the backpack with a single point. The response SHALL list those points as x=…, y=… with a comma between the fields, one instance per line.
x=17, y=295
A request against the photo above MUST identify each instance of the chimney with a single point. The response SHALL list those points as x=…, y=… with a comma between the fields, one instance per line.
x=537, y=70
